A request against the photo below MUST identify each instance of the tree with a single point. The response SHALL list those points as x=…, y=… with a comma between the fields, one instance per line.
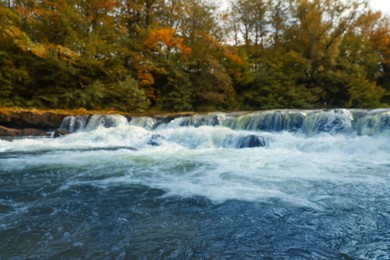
x=252, y=15
x=375, y=27
x=275, y=84
x=13, y=43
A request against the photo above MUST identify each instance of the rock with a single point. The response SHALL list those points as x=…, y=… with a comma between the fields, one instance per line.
x=46, y=120
x=251, y=141
x=155, y=140
x=33, y=132
x=248, y=141
x=59, y=133
x=5, y=117
x=6, y=131
x=30, y=119
x=21, y=122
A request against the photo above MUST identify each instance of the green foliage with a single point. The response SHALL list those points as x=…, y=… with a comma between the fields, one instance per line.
x=212, y=88
x=276, y=84
x=176, y=92
x=126, y=95
x=364, y=94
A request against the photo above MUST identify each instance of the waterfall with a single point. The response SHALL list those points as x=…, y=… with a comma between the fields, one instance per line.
x=306, y=122
x=91, y=122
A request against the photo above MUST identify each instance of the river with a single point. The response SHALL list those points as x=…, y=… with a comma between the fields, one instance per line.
x=274, y=184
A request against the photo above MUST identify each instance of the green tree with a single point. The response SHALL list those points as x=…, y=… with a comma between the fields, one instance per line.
x=351, y=82
x=275, y=84
x=14, y=47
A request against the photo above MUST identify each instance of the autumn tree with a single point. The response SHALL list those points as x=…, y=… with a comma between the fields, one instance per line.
x=375, y=28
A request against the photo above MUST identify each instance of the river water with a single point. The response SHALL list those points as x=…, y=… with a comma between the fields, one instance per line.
x=273, y=184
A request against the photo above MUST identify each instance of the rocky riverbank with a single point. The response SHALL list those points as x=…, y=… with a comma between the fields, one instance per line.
x=16, y=122
x=23, y=122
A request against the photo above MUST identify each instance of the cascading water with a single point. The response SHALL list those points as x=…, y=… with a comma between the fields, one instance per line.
x=272, y=184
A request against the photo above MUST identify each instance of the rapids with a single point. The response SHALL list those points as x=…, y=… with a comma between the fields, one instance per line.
x=273, y=184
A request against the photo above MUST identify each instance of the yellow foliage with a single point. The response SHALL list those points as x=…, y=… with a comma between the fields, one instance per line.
x=64, y=51
x=23, y=42
x=39, y=50
x=18, y=37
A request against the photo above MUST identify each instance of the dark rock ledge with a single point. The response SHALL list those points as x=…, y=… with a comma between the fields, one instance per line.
x=8, y=132
x=14, y=123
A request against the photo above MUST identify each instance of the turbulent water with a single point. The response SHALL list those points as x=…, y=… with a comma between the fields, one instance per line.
x=274, y=184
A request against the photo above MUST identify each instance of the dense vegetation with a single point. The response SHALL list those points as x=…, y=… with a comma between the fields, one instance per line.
x=175, y=55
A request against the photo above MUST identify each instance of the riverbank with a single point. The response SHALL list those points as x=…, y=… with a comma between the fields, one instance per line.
x=16, y=122
x=35, y=122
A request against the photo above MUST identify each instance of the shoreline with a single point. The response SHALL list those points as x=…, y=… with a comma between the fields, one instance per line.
x=18, y=122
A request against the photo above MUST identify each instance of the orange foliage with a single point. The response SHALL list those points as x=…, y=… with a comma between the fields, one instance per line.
x=167, y=37
x=145, y=77
x=122, y=28
x=377, y=27
x=232, y=57
x=143, y=70
x=381, y=42
x=102, y=4
x=227, y=52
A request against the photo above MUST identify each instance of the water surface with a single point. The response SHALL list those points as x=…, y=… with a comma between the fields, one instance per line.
x=277, y=184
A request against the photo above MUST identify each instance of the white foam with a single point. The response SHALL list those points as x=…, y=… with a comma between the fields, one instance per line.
x=285, y=171
x=190, y=161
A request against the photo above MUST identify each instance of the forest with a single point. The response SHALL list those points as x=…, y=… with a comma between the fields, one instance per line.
x=193, y=55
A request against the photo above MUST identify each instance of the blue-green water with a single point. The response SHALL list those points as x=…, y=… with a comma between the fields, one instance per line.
x=111, y=193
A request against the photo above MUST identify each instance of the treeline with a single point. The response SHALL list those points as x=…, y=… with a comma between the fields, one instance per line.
x=176, y=55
